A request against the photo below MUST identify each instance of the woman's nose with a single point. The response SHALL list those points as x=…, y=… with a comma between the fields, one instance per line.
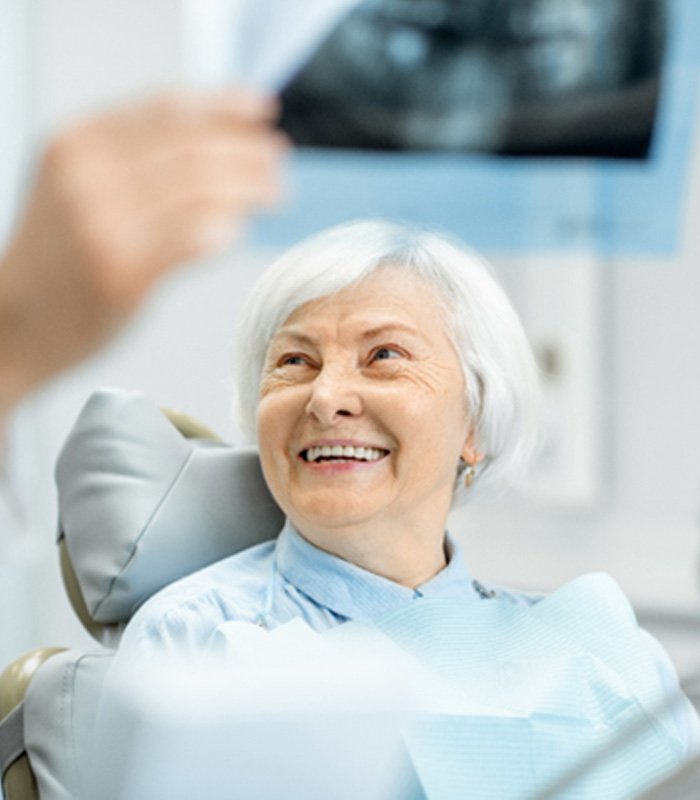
x=333, y=398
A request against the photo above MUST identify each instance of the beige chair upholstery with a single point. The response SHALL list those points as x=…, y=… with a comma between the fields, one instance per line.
x=19, y=782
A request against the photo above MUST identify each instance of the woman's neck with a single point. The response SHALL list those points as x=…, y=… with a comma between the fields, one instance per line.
x=407, y=557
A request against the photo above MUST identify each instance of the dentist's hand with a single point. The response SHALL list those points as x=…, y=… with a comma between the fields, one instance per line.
x=119, y=200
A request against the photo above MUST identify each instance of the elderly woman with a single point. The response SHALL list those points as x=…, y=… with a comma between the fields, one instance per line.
x=382, y=372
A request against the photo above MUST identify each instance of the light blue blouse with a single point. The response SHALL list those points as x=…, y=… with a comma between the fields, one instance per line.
x=577, y=661
x=281, y=580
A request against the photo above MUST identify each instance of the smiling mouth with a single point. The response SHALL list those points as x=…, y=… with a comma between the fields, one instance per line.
x=340, y=453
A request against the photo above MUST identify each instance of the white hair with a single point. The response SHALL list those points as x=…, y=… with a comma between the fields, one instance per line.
x=500, y=375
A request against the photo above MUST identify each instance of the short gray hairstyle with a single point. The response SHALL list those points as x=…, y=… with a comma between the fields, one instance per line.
x=500, y=375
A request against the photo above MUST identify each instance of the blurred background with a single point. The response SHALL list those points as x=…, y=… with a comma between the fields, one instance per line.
x=599, y=249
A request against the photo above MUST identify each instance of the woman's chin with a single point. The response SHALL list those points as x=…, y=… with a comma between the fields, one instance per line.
x=332, y=510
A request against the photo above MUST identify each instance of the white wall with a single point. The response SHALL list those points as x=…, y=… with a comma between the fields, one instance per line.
x=15, y=87
x=87, y=54
x=643, y=527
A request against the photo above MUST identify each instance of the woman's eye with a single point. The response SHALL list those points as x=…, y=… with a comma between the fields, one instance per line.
x=293, y=360
x=385, y=353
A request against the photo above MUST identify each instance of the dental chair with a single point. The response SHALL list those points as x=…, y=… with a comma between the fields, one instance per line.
x=145, y=497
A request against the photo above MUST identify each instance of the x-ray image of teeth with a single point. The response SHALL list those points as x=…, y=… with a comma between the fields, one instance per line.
x=513, y=77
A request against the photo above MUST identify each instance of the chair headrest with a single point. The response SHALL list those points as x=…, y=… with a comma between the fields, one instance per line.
x=140, y=505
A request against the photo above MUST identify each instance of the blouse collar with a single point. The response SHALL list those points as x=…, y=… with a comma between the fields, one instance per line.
x=354, y=593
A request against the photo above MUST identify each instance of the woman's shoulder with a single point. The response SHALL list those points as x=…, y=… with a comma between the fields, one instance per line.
x=183, y=614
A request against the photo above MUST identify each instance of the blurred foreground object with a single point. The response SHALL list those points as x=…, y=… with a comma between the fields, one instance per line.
x=120, y=199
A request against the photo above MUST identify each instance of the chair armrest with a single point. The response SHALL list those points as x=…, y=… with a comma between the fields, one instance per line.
x=18, y=778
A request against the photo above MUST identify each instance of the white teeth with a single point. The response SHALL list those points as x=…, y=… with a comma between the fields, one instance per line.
x=347, y=451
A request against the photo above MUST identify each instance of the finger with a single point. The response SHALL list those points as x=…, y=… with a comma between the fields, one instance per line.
x=115, y=195
x=176, y=118
x=200, y=234
x=198, y=227
x=170, y=234
x=214, y=163
x=94, y=182
x=241, y=104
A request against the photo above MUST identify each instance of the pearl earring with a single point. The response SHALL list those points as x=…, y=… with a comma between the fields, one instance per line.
x=469, y=475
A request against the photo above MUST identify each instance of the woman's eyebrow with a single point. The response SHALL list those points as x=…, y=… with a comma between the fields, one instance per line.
x=292, y=334
x=298, y=336
x=390, y=327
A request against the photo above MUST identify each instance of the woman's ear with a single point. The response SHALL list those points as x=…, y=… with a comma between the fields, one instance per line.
x=469, y=453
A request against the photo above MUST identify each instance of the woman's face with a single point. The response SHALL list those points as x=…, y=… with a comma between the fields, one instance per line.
x=362, y=416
